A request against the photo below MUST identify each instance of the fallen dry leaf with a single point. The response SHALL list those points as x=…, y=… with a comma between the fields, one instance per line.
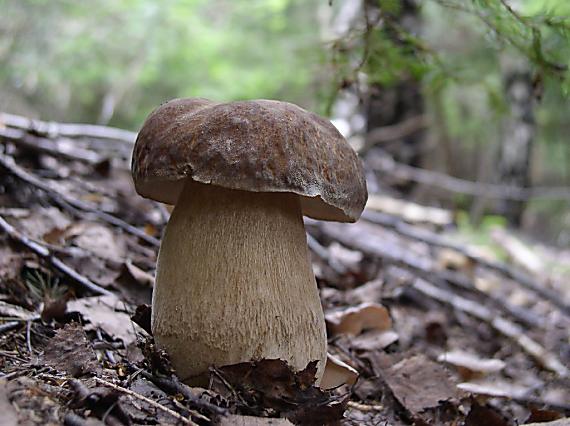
x=11, y=263
x=134, y=284
x=97, y=239
x=137, y=274
x=354, y=320
x=106, y=313
x=373, y=340
x=271, y=387
x=419, y=383
x=485, y=415
x=41, y=220
x=94, y=268
x=337, y=373
x=538, y=415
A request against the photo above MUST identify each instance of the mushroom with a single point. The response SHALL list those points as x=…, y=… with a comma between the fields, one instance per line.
x=234, y=280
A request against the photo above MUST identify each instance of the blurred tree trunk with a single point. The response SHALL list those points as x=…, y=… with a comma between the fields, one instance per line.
x=518, y=139
x=403, y=100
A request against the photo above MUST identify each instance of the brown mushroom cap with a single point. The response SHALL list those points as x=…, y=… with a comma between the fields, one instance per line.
x=258, y=146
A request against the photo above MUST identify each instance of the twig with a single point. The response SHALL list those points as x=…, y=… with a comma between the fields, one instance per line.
x=64, y=199
x=12, y=374
x=365, y=407
x=433, y=239
x=191, y=412
x=145, y=399
x=29, y=336
x=228, y=386
x=172, y=385
x=387, y=165
x=108, y=353
x=45, y=254
x=502, y=325
x=9, y=326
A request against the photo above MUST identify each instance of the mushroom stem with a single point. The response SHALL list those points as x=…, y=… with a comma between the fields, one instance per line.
x=234, y=282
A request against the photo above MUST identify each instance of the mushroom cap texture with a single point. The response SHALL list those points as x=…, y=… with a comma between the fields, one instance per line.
x=257, y=146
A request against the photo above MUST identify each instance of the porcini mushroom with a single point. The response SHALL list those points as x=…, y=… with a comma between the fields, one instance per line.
x=234, y=280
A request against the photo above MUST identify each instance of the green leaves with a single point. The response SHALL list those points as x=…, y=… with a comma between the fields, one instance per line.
x=69, y=58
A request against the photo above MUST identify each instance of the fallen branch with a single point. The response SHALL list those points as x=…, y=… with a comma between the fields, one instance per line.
x=56, y=148
x=63, y=200
x=52, y=129
x=360, y=237
x=45, y=254
x=433, y=239
x=501, y=325
x=387, y=165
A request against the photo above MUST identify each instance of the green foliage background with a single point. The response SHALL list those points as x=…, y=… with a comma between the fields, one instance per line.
x=59, y=58
x=66, y=60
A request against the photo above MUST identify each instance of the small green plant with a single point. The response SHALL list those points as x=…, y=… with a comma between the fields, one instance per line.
x=42, y=285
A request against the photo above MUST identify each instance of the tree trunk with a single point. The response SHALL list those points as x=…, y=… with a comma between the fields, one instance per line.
x=518, y=139
x=391, y=105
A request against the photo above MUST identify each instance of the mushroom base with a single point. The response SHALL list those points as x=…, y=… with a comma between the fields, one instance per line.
x=234, y=283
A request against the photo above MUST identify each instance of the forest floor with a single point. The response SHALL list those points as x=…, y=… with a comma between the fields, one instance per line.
x=456, y=336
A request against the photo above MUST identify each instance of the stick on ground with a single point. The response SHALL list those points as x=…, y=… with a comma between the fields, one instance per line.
x=62, y=199
x=433, y=239
x=147, y=400
x=45, y=254
x=502, y=325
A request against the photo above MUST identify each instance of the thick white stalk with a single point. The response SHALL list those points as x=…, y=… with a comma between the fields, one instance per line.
x=234, y=282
